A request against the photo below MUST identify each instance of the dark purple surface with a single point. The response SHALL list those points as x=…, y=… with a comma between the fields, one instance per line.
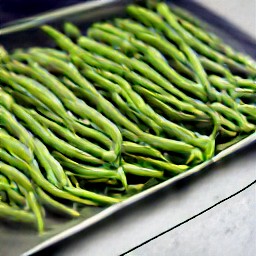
x=11, y=10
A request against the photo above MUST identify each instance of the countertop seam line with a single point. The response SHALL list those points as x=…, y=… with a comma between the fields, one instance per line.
x=189, y=219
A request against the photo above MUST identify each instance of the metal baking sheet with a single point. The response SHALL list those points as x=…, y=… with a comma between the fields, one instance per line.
x=25, y=33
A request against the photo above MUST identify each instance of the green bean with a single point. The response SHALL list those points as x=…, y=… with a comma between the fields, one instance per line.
x=24, y=97
x=128, y=111
x=153, y=56
x=142, y=171
x=19, y=97
x=55, y=205
x=228, y=144
x=74, y=140
x=39, y=179
x=40, y=92
x=182, y=69
x=246, y=83
x=186, y=15
x=66, y=44
x=150, y=18
x=165, y=84
x=58, y=65
x=3, y=203
x=160, y=43
x=228, y=124
x=81, y=129
x=164, y=10
x=4, y=56
x=113, y=39
x=146, y=36
x=133, y=99
x=149, y=123
x=133, y=148
x=163, y=95
x=226, y=133
x=231, y=114
x=50, y=52
x=175, y=130
x=102, y=199
x=214, y=67
x=14, y=174
x=167, y=47
x=103, y=63
x=129, y=135
x=199, y=70
x=69, y=70
x=54, y=171
x=132, y=26
x=4, y=180
x=136, y=116
x=107, y=108
x=49, y=138
x=142, y=67
x=220, y=83
x=199, y=33
x=78, y=125
x=12, y=194
x=73, y=181
x=112, y=29
x=41, y=75
x=71, y=30
x=169, y=99
x=35, y=207
x=15, y=147
x=233, y=89
x=80, y=108
x=6, y=157
x=165, y=166
x=171, y=145
x=91, y=180
x=215, y=43
x=173, y=114
x=224, y=98
x=123, y=106
x=8, y=121
x=248, y=110
x=105, y=84
x=223, y=83
x=243, y=93
x=17, y=215
x=172, y=99
x=88, y=171
x=114, y=114
x=92, y=133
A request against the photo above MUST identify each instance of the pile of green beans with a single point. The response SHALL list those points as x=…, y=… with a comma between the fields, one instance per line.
x=132, y=101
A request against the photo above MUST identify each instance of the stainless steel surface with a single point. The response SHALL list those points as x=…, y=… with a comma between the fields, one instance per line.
x=60, y=229
x=52, y=16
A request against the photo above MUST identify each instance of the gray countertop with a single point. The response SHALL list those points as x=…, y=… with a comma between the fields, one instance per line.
x=242, y=13
x=226, y=229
